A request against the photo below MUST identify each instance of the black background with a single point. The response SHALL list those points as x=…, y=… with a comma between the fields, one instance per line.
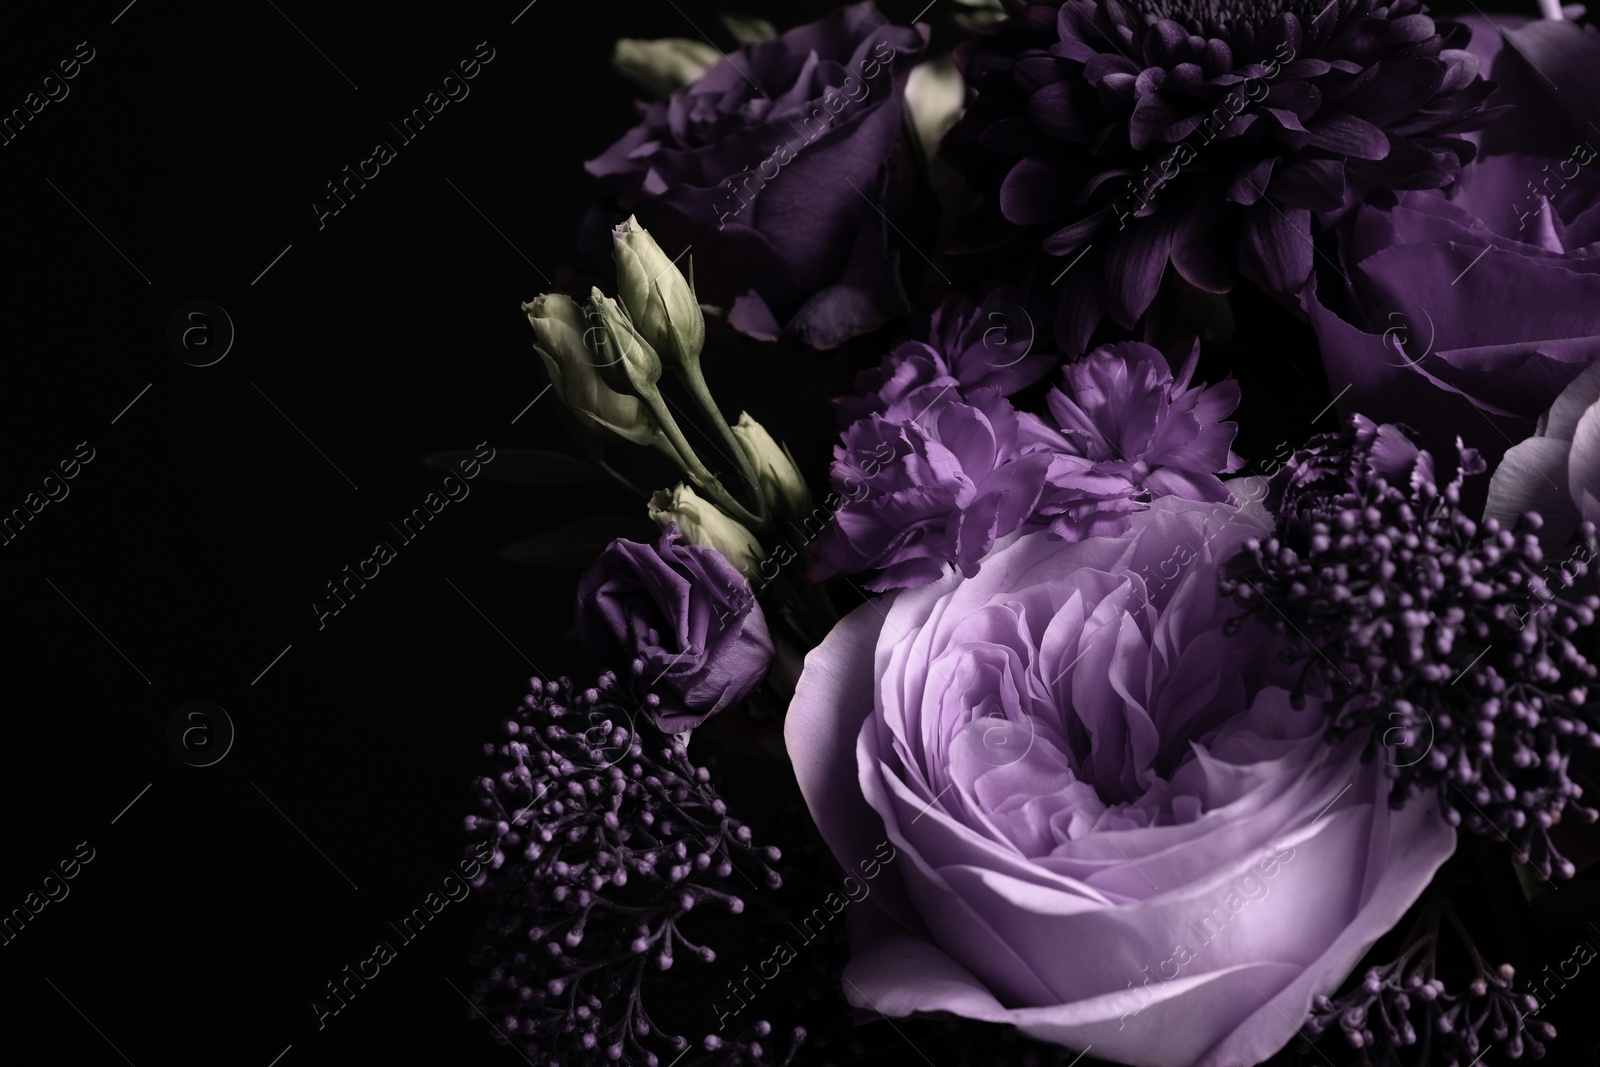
x=184, y=561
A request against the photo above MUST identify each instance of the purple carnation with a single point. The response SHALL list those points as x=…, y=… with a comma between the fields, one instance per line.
x=1129, y=431
x=1206, y=134
x=938, y=487
x=771, y=165
x=965, y=346
x=684, y=618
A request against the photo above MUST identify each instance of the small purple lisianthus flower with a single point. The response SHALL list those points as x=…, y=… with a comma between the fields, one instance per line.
x=965, y=346
x=934, y=487
x=1556, y=472
x=1130, y=430
x=1110, y=826
x=684, y=617
x=770, y=165
x=1143, y=133
x=1402, y=327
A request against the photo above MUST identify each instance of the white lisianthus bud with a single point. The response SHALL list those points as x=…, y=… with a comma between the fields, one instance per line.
x=665, y=66
x=624, y=357
x=935, y=95
x=702, y=523
x=776, y=471
x=558, y=328
x=659, y=299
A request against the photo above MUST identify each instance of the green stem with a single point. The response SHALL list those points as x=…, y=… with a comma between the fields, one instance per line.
x=691, y=463
x=692, y=377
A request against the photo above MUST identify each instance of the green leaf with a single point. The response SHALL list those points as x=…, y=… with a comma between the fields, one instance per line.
x=573, y=546
x=524, y=466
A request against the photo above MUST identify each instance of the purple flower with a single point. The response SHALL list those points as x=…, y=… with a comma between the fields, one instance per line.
x=1526, y=58
x=1128, y=430
x=992, y=343
x=1138, y=133
x=1404, y=329
x=684, y=619
x=1556, y=472
x=770, y=165
x=1111, y=827
x=964, y=347
x=927, y=489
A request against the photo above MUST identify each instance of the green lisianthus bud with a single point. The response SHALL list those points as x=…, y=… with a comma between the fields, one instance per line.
x=558, y=327
x=659, y=299
x=776, y=471
x=703, y=523
x=665, y=66
x=626, y=360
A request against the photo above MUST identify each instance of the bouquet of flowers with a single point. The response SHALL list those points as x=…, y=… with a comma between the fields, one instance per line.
x=920, y=751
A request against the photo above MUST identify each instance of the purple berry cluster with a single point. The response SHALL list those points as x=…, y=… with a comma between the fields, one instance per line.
x=605, y=839
x=1403, y=1005
x=1449, y=640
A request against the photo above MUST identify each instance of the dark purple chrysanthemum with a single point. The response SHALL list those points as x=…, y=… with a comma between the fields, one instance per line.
x=1128, y=430
x=606, y=837
x=1449, y=641
x=1204, y=134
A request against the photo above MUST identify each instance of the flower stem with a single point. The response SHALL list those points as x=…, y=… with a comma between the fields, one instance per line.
x=691, y=464
x=692, y=377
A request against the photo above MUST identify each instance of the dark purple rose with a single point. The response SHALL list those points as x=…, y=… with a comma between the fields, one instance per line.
x=1526, y=59
x=1127, y=430
x=684, y=617
x=965, y=347
x=1094, y=812
x=1401, y=322
x=935, y=487
x=773, y=166
x=1140, y=133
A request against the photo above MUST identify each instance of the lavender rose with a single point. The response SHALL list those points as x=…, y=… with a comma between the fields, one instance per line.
x=770, y=165
x=1403, y=329
x=684, y=617
x=1111, y=826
